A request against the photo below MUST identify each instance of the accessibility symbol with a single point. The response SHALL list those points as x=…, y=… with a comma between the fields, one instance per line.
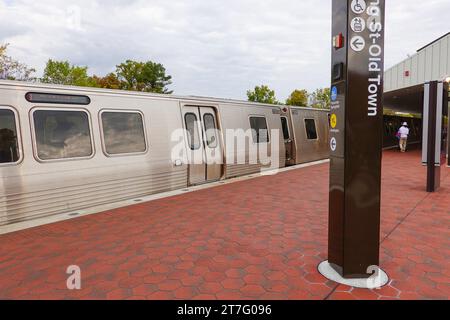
x=333, y=144
x=358, y=43
x=334, y=93
x=358, y=24
x=333, y=121
x=359, y=6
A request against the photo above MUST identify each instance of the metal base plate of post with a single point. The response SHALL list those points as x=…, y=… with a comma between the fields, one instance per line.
x=378, y=280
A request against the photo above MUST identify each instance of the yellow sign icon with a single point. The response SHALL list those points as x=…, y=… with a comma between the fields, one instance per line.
x=333, y=121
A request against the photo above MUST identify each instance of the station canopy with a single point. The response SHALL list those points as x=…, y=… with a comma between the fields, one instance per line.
x=404, y=82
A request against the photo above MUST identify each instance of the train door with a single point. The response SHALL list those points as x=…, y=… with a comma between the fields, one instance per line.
x=287, y=139
x=203, y=144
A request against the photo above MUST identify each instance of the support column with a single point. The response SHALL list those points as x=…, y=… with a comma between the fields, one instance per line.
x=434, y=97
x=447, y=105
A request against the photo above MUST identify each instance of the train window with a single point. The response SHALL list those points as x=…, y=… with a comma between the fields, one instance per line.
x=62, y=134
x=260, y=131
x=311, y=130
x=210, y=129
x=123, y=132
x=9, y=142
x=285, y=125
x=192, y=129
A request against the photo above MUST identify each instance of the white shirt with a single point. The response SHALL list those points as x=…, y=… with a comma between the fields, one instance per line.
x=404, y=132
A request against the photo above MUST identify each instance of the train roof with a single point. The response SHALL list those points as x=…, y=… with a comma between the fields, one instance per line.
x=89, y=90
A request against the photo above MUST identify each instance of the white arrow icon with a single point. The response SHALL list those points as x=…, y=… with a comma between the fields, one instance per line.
x=358, y=43
x=333, y=144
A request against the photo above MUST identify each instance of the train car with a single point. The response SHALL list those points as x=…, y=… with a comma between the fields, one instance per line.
x=306, y=133
x=246, y=151
x=69, y=148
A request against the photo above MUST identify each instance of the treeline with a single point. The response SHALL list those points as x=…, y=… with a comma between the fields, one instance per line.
x=132, y=75
x=129, y=75
x=12, y=69
x=319, y=99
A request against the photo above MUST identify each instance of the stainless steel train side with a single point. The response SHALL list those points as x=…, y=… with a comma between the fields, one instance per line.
x=310, y=132
x=33, y=187
x=109, y=163
x=238, y=118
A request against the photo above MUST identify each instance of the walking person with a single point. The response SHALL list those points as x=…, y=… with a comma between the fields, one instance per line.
x=403, y=133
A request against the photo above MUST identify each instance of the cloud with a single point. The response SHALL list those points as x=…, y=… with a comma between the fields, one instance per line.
x=210, y=47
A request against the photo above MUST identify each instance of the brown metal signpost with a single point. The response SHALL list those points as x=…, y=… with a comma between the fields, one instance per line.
x=356, y=136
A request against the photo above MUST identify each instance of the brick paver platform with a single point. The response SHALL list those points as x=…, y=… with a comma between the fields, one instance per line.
x=257, y=239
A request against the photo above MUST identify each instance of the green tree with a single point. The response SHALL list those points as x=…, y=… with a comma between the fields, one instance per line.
x=63, y=73
x=144, y=76
x=321, y=98
x=262, y=94
x=298, y=98
x=110, y=81
x=11, y=69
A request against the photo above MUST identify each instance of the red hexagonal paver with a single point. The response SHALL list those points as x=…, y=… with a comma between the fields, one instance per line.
x=210, y=288
x=154, y=279
x=192, y=280
x=161, y=268
x=251, y=242
x=214, y=276
x=278, y=287
x=169, y=285
x=144, y=290
x=342, y=296
x=253, y=290
x=130, y=282
x=185, y=293
x=233, y=284
x=230, y=295
x=204, y=297
x=255, y=279
x=118, y=294
x=253, y=269
x=160, y=295
x=364, y=294
x=235, y=273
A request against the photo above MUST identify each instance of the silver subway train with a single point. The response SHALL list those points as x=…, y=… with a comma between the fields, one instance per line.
x=68, y=148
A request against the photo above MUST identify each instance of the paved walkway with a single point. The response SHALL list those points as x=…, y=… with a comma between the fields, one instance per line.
x=256, y=239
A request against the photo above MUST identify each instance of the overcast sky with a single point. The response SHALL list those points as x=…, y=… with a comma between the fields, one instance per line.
x=215, y=48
